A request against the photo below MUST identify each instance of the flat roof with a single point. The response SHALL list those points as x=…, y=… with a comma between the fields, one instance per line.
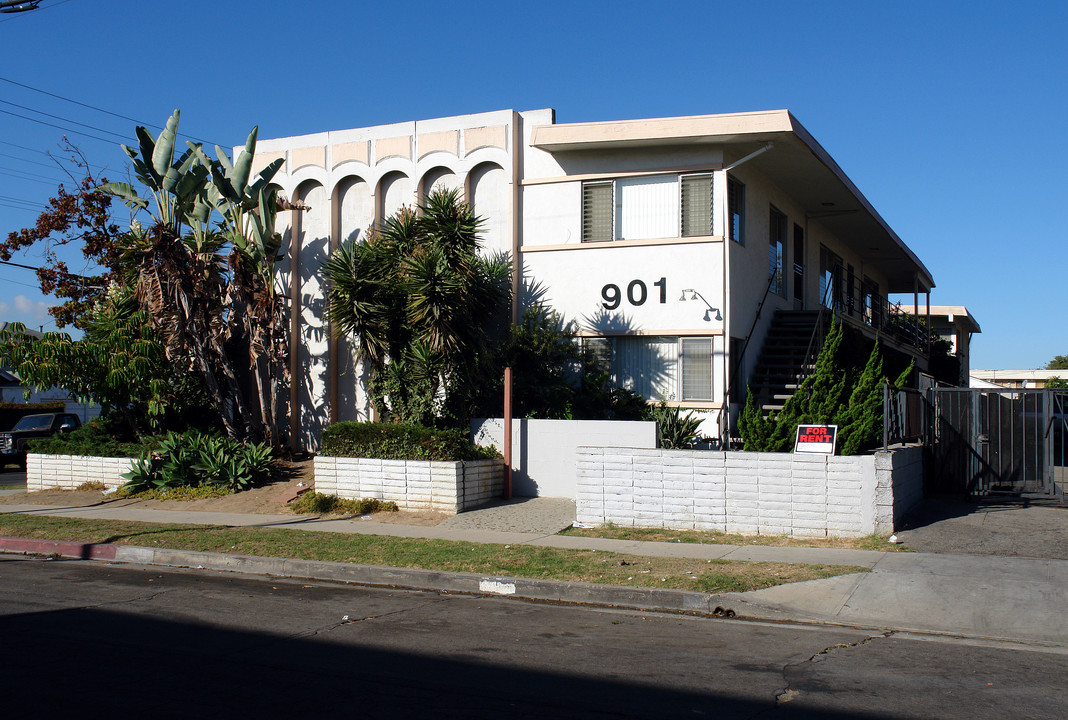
x=957, y=314
x=795, y=162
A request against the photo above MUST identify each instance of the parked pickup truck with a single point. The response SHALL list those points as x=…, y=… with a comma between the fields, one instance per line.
x=13, y=442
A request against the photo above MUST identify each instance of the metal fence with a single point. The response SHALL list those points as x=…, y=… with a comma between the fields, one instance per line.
x=984, y=440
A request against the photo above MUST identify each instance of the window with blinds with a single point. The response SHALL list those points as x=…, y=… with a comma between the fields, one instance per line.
x=696, y=201
x=597, y=212
x=647, y=208
x=696, y=357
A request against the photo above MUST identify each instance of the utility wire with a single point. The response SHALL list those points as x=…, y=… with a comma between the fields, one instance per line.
x=98, y=109
x=30, y=179
x=31, y=175
x=17, y=15
x=60, y=127
x=23, y=147
x=57, y=117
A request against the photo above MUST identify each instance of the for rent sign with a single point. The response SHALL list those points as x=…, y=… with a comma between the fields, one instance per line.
x=816, y=439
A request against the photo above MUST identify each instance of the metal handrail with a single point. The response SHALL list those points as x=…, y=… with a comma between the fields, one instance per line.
x=724, y=418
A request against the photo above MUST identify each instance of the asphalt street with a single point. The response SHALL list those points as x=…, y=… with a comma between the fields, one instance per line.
x=88, y=639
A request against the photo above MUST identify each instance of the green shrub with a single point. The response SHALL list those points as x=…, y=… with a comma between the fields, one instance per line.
x=318, y=503
x=193, y=460
x=176, y=493
x=400, y=442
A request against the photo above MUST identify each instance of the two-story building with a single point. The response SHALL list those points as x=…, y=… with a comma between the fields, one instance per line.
x=671, y=243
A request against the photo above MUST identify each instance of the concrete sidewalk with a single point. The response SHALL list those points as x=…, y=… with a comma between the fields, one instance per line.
x=1005, y=598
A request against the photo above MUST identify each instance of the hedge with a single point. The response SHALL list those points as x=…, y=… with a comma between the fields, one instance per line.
x=400, y=442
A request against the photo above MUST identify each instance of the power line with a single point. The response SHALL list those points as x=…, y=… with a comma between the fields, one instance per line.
x=19, y=176
x=98, y=109
x=25, y=160
x=30, y=175
x=23, y=147
x=60, y=127
x=61, y=2
x=57, y=117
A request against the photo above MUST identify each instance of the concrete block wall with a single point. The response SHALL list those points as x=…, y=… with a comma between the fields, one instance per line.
x=899, y=485
x=67, y=472
x=748, y=493
x=449, y=487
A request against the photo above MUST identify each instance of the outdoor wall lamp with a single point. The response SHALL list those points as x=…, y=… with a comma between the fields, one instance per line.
x=694, y=295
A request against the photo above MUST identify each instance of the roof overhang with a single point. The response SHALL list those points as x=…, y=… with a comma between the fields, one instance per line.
x=796, y=163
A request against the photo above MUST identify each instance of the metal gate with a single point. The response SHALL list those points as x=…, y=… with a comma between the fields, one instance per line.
x=985, y=440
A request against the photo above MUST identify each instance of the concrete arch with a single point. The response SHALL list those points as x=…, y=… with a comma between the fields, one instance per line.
x=490, y=194
x=493, y=155
x=439, y=176
x=309, y=248
x=354, y=200
x=394, y=191
x=351, y=169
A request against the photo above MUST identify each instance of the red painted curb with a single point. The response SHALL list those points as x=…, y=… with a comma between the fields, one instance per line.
x=85, y=551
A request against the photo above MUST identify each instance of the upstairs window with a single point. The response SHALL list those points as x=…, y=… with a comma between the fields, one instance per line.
x=776, y=243
x=736, y=210
x=696, y=192
x=597, y=212
x=647, y=208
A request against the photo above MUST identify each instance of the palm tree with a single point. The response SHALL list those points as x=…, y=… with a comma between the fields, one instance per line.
x=421, y=305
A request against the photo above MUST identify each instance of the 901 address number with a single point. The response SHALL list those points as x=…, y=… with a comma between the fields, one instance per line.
x=637, y=293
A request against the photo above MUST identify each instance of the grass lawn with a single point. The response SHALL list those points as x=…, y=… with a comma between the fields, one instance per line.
x=711, y=537
x=517, y=560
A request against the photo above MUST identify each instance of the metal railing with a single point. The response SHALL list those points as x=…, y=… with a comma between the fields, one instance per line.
x=860, y=302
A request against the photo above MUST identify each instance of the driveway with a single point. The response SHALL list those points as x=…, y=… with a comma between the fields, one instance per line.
x=1013, y=527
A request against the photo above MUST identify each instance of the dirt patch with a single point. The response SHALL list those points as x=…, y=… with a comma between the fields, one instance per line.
x=270, y=499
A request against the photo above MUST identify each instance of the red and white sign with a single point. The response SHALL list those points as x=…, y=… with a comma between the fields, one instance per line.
x=816, y=439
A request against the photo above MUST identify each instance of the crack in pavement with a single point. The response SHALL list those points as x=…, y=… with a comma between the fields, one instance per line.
x=788, y=693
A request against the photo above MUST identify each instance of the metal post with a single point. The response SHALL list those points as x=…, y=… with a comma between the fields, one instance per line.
x=508, y=433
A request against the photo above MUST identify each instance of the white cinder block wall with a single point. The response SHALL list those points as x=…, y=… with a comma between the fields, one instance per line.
x=449, y=487
x=67, y=472
x=748, y=493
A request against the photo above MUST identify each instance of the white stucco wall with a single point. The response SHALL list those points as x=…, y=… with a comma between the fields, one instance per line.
x=545, y=457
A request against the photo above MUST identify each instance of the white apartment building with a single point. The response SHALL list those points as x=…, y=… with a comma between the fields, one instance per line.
x=660, y=239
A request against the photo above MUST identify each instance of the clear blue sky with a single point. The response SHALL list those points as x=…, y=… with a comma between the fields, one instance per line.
x=950, y=117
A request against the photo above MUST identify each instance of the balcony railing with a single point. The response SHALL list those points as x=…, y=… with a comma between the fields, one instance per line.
x=864, y=304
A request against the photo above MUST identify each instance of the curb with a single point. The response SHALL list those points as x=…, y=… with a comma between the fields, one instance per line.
x=554, y=591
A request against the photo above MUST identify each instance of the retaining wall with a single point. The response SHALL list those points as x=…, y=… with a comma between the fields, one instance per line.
x=449, y=487
x=67, y=472
x=748, y=493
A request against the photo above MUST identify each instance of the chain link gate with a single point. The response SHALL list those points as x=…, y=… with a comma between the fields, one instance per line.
x=987, y=440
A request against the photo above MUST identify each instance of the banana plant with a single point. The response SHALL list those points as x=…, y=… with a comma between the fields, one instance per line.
x=178, y=187
x=248, y=209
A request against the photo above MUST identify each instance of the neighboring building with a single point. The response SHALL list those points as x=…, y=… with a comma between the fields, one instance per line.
x=1015, y=378
x=659, y=238
x=955, y=325
x=13, y=391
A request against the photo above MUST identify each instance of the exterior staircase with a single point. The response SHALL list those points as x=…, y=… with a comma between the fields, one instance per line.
x=784, y=357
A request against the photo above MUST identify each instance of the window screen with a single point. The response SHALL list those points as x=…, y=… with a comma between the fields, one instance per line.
x=597, y=212
x=696, y=205
x=697, y=368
